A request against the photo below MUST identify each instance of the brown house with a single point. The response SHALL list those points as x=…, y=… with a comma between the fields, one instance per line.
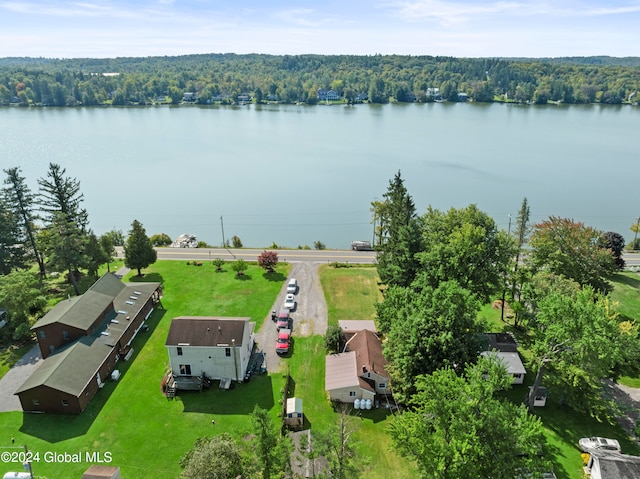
x=359, y=372
x=81, y=340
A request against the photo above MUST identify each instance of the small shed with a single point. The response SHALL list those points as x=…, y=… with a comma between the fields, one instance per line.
x=541, y=396
x=294, y=415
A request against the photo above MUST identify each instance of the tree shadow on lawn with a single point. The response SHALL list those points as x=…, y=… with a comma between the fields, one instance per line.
x=60, y=427
x=147, y=278
x=239, y=400
x=243, y=277
x=275, y=276
x=633, y=282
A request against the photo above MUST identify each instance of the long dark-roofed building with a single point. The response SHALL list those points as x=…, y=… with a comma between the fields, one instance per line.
x=81, y=339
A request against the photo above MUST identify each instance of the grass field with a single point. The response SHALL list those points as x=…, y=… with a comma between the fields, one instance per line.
x=147, y=434
x=351, y=293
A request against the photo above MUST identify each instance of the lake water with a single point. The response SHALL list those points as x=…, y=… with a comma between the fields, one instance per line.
x=298, y=174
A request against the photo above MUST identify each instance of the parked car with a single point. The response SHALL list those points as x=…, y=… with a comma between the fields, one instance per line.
x=595, y=443
x=283, y=319
x=290, y=302
x=283, y=341
x=292, y=286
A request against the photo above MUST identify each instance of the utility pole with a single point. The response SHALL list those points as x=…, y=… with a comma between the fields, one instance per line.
x=28, y=464
x=224, y=244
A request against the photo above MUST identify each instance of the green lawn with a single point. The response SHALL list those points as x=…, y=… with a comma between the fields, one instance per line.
x=351, y=293
x=145, y=433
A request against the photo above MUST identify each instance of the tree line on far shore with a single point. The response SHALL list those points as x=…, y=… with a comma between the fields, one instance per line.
x=222, y=78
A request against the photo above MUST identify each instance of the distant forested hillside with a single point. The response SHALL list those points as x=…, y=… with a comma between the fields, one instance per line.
x=307, y=78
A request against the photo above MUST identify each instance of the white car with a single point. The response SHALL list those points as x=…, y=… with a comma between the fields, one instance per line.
x=290, y=301
x=599, y=444
x=292, y=286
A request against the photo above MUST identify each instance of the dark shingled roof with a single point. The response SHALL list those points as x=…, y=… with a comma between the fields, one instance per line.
x=71, y=369
x=618, y=466
x=206, y=331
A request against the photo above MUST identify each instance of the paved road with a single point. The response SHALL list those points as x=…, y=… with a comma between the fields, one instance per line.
x=286, y=255
x=15, y=377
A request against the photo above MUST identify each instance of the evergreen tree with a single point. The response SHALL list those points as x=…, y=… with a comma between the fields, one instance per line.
x=399, y=235
x=106, y=242
x=12, y=252
x=20, y=201
x=96, y=254
x=65, y=247
x=138, y=251
x=61, y=194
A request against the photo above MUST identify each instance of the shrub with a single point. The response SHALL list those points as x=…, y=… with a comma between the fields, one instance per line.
x=202, y=244
x=161, y=239
x=319, y=245
x=268, y=260
x=236, y=241
x=218, y=263
x=337, y=264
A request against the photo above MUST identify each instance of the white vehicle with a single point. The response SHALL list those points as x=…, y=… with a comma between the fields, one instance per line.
x=290, y=301
x=292, y=286
x=588, y=444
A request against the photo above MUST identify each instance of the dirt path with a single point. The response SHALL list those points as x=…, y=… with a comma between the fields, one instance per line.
x=309, y=317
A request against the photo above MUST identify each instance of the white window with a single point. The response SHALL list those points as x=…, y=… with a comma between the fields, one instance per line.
x=382, y=386
x=352, y=393
x=227, y=352
x=179, y=351
x=41, y=334
x=65, y=403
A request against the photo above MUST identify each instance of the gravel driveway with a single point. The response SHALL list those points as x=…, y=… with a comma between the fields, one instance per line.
x=309, y=317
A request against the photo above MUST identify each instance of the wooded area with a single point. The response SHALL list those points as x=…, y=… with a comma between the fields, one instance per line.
x=221, y=78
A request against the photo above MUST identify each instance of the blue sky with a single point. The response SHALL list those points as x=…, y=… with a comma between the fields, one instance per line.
x=465, y=28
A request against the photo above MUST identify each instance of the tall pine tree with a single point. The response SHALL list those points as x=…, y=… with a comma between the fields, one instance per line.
x=399, y=235
x=61, y=194
x=20, y=201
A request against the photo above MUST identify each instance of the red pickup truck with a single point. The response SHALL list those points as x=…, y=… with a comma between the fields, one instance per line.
x=283, y=341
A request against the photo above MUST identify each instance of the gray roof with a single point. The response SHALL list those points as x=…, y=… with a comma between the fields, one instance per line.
x=618, y=466
x=352, y=325
x=206, y=331
x=71, y=368
x=81, y=311
x=512, y=361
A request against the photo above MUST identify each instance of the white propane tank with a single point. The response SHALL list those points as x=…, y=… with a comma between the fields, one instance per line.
x=356, y=404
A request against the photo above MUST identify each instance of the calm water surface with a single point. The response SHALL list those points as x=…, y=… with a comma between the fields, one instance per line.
x=296, y=174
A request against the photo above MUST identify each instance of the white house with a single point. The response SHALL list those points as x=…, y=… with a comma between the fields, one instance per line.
x=359, y=372
x=218, y=347
x=512, y=362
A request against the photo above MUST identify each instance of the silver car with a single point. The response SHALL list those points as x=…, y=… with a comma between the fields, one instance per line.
x=595, y=443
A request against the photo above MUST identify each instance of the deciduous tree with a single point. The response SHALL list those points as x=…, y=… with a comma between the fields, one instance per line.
x=614, y=242
x=565, y=247
x=427, y=330
x=580, y=337
x=21, y=294
x=464, y=245
x=216, y=457
x=239, y=266
x=268, y=260
x=458, y=429
x=138, y=251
